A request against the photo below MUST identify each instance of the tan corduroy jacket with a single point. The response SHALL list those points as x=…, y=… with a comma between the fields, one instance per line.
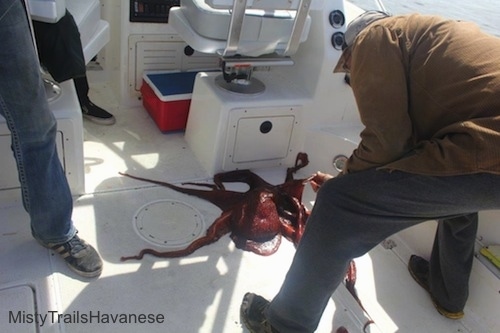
x=428, y=93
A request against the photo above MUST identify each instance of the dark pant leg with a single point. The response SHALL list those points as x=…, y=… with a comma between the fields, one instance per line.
x=451, y=261
x=60, y=48
x=355, y=212
x=82, y=89
x=60, y=52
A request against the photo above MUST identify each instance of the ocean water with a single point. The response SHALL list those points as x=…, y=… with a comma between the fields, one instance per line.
x=483, y=12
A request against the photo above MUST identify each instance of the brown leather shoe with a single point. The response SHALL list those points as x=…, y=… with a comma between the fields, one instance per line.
x=419, y=271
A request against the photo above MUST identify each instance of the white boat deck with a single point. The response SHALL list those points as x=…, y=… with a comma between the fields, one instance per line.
x=199, y=293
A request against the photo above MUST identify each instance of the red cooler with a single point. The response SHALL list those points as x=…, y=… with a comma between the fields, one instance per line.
x=167, y=96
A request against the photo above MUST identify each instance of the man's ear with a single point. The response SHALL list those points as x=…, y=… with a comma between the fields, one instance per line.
x=347, y=78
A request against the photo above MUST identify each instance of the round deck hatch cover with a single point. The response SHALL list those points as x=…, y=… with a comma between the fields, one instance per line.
x=169, y=223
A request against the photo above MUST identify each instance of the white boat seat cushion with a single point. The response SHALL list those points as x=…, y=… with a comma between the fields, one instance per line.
x=49, y=11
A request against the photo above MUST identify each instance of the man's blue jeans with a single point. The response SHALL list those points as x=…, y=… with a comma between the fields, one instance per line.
x=355, y=212
x=45, y=192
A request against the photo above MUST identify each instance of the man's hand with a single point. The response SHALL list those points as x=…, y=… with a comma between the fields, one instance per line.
x=319, y=179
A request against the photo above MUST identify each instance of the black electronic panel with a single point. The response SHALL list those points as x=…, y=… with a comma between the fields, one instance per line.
x=151, y=10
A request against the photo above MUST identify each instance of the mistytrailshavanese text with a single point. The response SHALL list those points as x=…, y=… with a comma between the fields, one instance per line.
x=82, y=317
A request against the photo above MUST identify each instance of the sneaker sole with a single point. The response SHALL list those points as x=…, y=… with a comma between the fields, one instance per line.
x=245, y=305
x=100, y=121
x=85, y=274
x=81, y=273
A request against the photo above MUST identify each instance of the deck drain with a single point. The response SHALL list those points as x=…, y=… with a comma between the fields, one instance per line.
x=168, y=223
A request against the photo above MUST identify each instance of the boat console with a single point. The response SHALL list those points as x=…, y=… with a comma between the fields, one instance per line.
x=254, y=112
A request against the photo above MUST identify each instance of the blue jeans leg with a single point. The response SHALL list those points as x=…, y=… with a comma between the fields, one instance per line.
x=355, y=212
x=45, y=191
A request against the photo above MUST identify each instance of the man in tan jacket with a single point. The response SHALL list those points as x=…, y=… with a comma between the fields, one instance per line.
x=428, y=94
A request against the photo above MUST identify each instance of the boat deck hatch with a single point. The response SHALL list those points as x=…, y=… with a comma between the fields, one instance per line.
x=169, y=223
x=20, y=302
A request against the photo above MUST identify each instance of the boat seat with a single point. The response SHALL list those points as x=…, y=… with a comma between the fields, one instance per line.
x=247, y=34
x=244, y=27
x=48, y=11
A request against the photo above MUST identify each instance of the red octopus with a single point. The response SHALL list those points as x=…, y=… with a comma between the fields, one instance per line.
x=256, y=218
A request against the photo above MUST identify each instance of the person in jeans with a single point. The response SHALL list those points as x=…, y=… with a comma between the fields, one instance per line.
x=428, y=94
x=61, y=54
x=45, y=192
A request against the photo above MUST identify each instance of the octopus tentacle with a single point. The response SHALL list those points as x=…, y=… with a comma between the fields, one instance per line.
x=301, y=161
x=261, y=248
x=218, y=229
x=240, y=176
x=221, y=198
